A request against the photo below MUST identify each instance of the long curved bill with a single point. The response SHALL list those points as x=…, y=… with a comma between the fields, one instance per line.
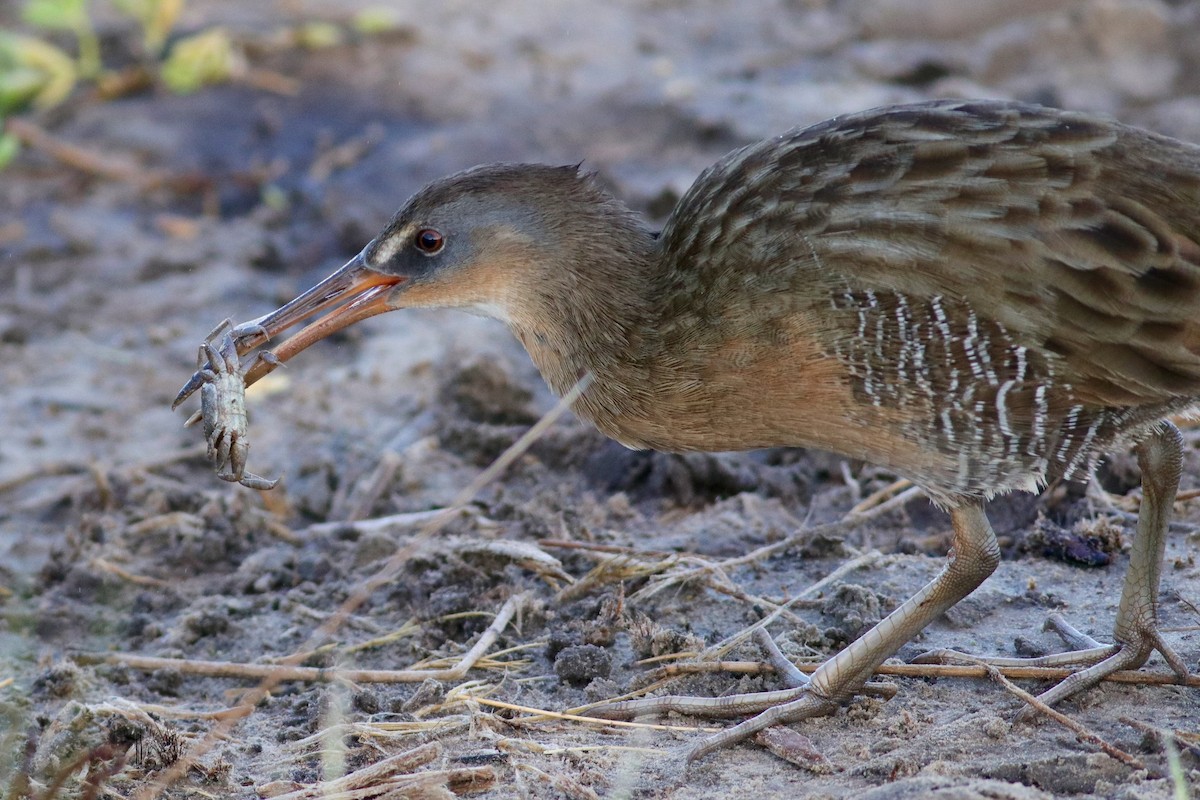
x=355, y=292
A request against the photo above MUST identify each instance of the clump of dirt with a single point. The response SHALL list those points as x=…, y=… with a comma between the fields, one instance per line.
x=1091, y=543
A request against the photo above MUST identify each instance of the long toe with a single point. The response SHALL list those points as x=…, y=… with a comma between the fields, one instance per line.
x=736, y=705
x=807, y=706
x=1126, y=656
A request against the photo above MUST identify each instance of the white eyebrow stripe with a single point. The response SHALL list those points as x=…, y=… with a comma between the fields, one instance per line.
x=387, y=248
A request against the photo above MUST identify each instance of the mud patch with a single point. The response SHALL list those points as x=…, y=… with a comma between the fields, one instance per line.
x=115, y=537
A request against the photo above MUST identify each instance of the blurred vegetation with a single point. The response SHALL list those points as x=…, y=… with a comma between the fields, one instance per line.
x=37, y=73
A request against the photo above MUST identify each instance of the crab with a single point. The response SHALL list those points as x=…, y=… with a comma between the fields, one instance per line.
x=223, y=407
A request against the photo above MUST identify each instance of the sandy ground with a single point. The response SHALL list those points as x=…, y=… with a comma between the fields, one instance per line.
x=115, y=536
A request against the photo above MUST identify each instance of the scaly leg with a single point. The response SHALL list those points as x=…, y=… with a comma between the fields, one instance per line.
x=972, y=558
x=1135, y=634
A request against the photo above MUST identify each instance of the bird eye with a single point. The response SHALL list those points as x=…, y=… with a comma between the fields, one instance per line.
x=429, y=241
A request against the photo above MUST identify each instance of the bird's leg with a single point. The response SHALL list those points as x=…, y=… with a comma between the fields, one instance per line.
x=1135, y=635
x=972, y=558
x=783, y=666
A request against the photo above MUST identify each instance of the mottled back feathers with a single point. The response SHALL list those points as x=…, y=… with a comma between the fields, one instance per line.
x=1023, y=284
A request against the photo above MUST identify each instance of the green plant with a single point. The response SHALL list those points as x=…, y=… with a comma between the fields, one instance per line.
x=69, y=15
x=37, y=74
x=157, y=18
x=208, y=57
x=32, y=73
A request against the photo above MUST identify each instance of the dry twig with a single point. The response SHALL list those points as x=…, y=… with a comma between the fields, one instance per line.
x=865, y=560
x=1081, y=732
x=282, y=672
x=71, y=155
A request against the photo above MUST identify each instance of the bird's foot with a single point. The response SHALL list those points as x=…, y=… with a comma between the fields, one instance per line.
x=1098, y=660
x=1135, y=634
x=799, y=701
x=973, y=557
x=770, y=709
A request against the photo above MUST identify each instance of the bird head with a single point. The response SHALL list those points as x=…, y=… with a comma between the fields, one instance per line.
x=505, y=240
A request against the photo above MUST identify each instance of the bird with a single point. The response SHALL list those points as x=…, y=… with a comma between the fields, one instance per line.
x=981, y=296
